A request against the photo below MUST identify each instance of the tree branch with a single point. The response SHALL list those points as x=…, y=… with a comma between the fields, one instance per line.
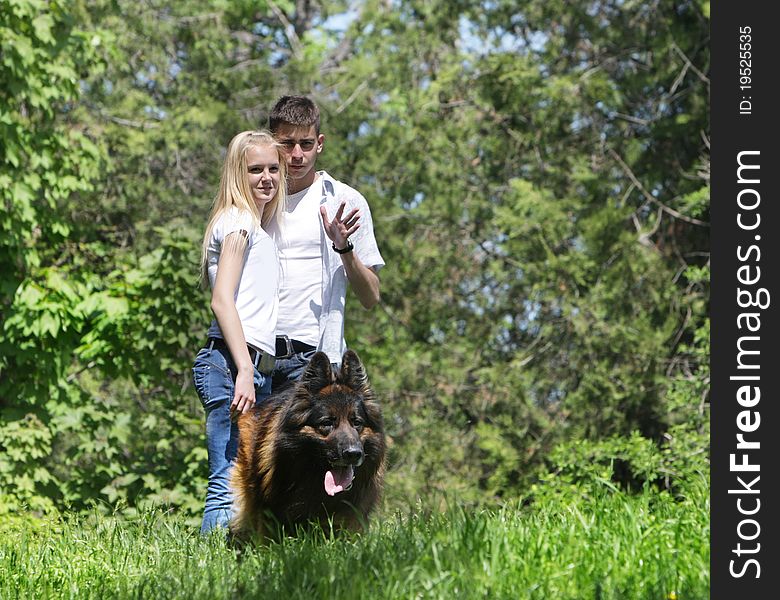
x=650, y=197
x=289, y=30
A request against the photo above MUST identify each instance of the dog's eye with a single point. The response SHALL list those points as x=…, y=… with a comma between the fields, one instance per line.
x=325, y=427
x=357, y=423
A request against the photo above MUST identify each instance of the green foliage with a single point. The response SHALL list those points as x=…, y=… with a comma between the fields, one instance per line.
x=610, y=546
x=44, y=162
x=25, y=442
x=103, y=439
x=583, y=467
x=148, y=313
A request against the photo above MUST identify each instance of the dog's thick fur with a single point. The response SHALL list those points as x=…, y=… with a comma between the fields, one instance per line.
x=297, y=451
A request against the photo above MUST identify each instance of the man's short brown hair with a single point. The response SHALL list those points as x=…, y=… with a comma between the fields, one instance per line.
x=298, y=111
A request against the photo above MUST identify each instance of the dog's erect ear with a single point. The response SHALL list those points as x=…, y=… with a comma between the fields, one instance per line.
x=352, y=372
x=317, y=374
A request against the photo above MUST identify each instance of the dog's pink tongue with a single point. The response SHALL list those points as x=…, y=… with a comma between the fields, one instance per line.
x=338, y=479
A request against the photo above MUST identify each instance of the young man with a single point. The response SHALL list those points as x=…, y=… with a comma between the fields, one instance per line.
x=327, y=240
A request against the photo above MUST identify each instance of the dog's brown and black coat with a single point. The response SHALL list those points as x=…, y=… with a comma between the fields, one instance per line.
x=292, y=444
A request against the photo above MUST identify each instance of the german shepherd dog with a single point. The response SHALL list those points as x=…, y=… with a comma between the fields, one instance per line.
x=311, y=454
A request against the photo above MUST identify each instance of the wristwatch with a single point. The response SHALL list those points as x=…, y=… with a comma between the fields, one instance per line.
x=342, y=250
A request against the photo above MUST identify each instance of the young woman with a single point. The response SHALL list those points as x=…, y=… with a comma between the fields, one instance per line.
x=233, y=371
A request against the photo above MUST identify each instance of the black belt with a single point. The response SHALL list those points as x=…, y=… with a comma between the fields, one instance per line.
x=285, y=347
x=262, y=361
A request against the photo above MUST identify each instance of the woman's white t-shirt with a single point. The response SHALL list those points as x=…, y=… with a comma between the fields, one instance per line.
x=257, y=298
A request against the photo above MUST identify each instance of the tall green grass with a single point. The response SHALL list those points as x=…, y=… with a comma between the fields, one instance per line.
x=612, y=547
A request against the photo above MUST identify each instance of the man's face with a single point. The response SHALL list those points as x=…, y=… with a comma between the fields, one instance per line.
x=300, y=146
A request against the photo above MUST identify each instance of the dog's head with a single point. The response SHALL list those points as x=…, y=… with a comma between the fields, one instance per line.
x=338, y=412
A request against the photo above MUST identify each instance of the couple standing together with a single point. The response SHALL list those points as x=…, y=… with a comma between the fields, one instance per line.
x=280, y=245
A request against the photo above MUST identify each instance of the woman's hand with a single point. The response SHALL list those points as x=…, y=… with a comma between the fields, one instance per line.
x=244, y=397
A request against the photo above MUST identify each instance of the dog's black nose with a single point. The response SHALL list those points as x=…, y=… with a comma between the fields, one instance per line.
x=353, y=455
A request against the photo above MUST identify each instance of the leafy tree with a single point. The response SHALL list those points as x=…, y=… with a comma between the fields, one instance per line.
x=44, y=162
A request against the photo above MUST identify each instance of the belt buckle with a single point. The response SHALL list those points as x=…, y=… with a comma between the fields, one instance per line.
x=262, y=361
x=266, y=363
x=288, y=345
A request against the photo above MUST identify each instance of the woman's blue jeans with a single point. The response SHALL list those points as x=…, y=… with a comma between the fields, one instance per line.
x=214, y=374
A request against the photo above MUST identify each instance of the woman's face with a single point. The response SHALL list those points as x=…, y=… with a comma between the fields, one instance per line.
x=263, y=173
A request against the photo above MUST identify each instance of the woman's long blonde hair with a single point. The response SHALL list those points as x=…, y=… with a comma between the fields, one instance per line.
x=234, y=188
